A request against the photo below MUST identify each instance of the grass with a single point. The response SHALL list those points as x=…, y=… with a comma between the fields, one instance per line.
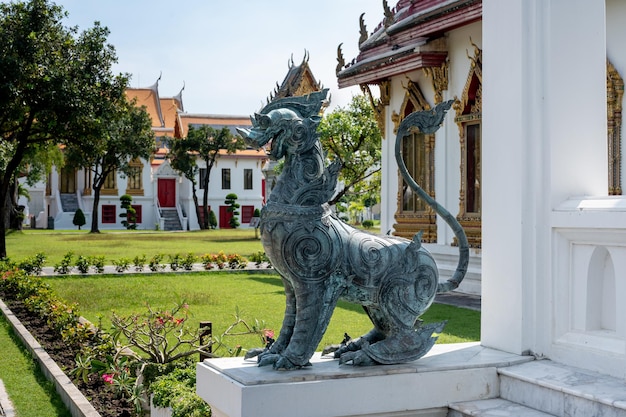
x=128, y=244
x=215, y=297
x=31, y=394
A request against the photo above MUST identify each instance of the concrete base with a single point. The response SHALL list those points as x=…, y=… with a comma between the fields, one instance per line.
x=448, y=373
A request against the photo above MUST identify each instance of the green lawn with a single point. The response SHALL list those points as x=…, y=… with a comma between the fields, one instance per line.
x=31, y=394
x=215, y=296
x=128, y=244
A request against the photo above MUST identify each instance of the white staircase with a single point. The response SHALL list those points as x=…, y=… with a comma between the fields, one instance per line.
x=544, y=388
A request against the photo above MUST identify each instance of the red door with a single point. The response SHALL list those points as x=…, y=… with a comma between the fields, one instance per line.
x=225, y=217
x=167, y=192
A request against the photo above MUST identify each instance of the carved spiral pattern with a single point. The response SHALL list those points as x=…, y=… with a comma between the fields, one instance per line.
x=370, y=255
x=311, y=255
x=311, y=169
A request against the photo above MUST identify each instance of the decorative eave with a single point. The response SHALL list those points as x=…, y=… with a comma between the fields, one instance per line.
x=395, y=62
x=397, y=47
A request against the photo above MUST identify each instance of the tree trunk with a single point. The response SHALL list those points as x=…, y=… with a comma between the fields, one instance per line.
x=205, y=206
x=94, y=211
x=195, y=202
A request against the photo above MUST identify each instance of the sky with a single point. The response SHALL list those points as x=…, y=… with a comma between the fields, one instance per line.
x=228, y=54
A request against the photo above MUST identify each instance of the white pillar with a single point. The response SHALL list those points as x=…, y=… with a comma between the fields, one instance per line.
x=544, y=140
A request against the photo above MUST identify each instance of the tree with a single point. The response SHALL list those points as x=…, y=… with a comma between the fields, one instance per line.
x=351, y=135
x=130, y=216
x=126, y=136
x=231, y=202
x=53, y=82
x=203, y=143
x=212, y=219
x=79, y=219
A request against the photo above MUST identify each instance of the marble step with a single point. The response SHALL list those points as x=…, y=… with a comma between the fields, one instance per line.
x=562, y=390
x=495, y=407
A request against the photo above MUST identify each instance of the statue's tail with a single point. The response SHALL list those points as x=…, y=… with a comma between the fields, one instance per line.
x=428, y=122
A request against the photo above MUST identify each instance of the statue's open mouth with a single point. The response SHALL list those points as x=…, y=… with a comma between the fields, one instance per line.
x=256, y=137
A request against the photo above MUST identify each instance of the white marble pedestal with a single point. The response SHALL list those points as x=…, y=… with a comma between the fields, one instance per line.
x=448, y=373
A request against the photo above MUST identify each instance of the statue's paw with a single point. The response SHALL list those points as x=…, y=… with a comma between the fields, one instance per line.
x=253, y=353
x=268, y=359
x=358, y=358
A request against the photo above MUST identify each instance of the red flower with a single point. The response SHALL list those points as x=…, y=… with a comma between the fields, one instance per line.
x=108, y=378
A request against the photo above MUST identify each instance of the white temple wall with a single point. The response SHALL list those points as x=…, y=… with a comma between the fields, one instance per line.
x=554, y=254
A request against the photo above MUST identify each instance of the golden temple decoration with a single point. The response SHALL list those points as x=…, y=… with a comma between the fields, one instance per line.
x=379, y=104
x=341, y=62
x=439, y=78
x=362, y=30
x=468, y=119
x=614, y=96
x=389, y=18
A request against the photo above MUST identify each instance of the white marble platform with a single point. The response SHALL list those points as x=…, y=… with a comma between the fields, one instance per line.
x=448, y=373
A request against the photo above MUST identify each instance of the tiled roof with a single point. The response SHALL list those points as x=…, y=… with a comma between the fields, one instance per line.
x=408, y=38
x=217, y=121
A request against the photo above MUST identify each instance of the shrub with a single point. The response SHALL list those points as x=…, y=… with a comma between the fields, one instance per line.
x=212, y=219
x=177, y=390
x=97, y=262
x=231, y=202
x=259, y=258
x=220, y=259
x=155, y=263
x=207, y=261
x=33, y=264
x=121, y=264
x=368, y=224
x=188, y=261
x=130, y=216
x=175, y=261
x=83, y=263
x=79, y=219
x=139, y=262
x=236, y=261
x=65, y=265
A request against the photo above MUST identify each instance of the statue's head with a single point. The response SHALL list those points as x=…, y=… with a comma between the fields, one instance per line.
x=289, y=123
x=278, y=126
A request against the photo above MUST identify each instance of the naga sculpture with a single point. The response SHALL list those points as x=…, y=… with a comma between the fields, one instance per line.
x=321, y=259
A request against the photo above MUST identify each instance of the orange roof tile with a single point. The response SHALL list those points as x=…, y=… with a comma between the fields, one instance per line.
x=217, y=121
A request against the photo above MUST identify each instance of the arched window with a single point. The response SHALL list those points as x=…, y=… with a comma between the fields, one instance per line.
x=418, y=151
x=468, y=119
x=134, y=185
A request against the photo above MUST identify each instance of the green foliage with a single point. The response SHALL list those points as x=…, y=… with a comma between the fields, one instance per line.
x=155, y=263
x=130, y=218
x=57, y=86
x=177, y=390
x=175, y=261
x=212, y=219
x=231, y=202
x=259, y=258
x=98, y=263
x=82, y=264
x=188, y=261
x=368, y=224
x=351, y=136
x=122, y=264
x=79, y=219
x=65, y=266
x=33, y=265
x=139, y=262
